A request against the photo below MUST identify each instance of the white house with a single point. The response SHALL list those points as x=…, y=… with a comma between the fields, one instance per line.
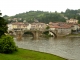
x=74, y=21
x=10, y=27
x=29, y=27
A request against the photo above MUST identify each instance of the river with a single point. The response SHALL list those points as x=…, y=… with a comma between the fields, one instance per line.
x=65, y=47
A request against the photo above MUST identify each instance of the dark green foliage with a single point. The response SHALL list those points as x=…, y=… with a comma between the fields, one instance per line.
x=41, y=16
x=72, y=14
x=46, y=32
x=7, y=44
x=47, y=27
x=3, y=26
x=46, y=17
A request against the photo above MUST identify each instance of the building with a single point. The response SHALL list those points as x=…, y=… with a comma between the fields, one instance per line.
x=28, y=27
x=62, y=28
x=18, y=26
x=38, y=26
x=74, y=21
x=10, y=27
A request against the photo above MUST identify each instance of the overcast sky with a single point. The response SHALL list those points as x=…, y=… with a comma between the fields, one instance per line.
x=12, y=7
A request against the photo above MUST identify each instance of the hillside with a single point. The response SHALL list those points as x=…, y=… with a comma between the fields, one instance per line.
x=45, y=17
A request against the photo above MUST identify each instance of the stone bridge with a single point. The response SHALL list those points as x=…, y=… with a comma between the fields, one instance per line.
x=36, y=33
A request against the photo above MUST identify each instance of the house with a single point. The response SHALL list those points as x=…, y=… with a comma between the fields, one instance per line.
x=53, y=26
x=19, y=25
x=10, y=27
x=28, y=27
x=74, y=27
x=74, y=21
x=65, y=29
x=61, y=27
x=38, y=26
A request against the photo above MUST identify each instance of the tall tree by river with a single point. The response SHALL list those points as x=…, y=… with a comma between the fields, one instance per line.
x=3, y=26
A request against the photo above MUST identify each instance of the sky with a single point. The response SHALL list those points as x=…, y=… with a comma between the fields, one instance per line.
x=13, y=7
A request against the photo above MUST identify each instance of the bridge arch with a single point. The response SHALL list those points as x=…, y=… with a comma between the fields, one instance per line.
x=11, y=32
x=35, y=34
x=47, y=32
x=54, y=34
x=28, y=33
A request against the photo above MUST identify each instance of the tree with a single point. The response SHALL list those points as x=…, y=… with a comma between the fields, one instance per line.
x=3, y=26
x=47, y=27
x=7, y=44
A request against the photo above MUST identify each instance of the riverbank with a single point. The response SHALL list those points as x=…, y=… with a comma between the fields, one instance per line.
x=24, y=54
x=73, y=35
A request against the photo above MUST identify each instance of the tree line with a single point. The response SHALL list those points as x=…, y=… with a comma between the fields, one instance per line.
x=45, y=17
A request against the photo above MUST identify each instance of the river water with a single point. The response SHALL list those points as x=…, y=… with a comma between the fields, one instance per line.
x=65, y=47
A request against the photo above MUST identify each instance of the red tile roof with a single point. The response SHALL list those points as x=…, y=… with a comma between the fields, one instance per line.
x=60, y=25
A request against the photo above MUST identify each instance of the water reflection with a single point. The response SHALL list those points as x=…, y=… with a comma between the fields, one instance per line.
x=64, y=47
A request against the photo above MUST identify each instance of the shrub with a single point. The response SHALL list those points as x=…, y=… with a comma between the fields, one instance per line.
x=7, y=44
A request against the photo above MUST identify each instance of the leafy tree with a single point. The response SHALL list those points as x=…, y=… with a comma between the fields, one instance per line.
x=7, y=44
x=47, y=27
x=3, y=26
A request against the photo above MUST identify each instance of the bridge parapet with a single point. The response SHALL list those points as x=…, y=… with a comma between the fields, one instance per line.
x=36, y=33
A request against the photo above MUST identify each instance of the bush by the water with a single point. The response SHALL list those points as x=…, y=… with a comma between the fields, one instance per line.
x=7, y=44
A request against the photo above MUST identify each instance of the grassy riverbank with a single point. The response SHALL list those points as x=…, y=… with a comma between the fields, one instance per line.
x=24, y=54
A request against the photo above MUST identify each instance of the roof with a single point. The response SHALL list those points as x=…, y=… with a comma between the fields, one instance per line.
x=60, y=25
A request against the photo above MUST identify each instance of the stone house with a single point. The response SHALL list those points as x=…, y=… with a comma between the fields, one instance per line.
x=62, y=28
x=65, y=30
x=38, y=26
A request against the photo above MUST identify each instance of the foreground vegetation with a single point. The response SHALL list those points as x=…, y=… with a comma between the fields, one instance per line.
x=7, y=44
x=23, y=54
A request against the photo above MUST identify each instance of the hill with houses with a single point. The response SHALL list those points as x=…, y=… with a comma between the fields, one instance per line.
x=45, y=17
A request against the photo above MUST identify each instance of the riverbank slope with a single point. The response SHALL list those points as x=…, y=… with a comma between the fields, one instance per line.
x=24, y=54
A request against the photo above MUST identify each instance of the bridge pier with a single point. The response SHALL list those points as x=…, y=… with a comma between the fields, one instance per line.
x=19, y=35
x=36, y=34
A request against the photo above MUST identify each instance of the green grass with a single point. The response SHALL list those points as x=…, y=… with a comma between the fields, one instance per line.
x=24, y=54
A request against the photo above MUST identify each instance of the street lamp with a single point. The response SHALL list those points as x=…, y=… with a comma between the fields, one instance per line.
x=0, y=13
